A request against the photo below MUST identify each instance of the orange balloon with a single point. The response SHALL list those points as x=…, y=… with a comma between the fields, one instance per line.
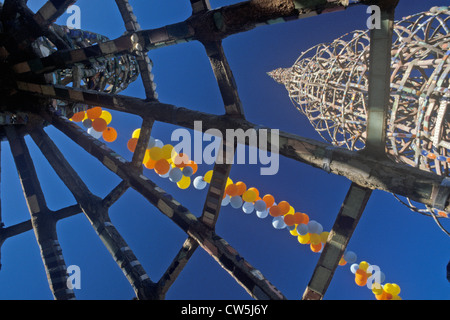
x=131, y=145
x=361, y=277
x=110, y=134
x=255, y=191
x=99, y=124
x=162, y=166
x=342, y=262
x=289, y=219
x=284, y=207
x=316, y=247
x=241, y=188
x=298, y=218
x=305, y=218
x=77, y=117
x=269, y=200
x=150, y=164
x=94, y=113
x=231, y=190
x=275, y=211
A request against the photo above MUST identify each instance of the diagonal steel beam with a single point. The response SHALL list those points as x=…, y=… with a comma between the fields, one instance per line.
x=365, y=170
x=50, y=11
x=379, y=84
x=144, y=62
x=346, y=222
x=209, y=26
x=92, y=207
x=226, y=256
x=42, y=221
x=177, y=265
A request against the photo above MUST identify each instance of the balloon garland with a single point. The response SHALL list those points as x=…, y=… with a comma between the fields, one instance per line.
x=167, y=163
x=96, y=121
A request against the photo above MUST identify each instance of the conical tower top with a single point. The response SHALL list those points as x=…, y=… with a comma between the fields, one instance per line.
x=281, y=75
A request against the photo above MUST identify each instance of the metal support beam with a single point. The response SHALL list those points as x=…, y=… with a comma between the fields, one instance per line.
x=339, y=236
x=92, y=207
x=364, y=170
x=42, y=220
x=177, y=265
x=379, y=84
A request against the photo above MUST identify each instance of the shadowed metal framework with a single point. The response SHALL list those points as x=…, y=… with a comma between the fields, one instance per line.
x=33, y=99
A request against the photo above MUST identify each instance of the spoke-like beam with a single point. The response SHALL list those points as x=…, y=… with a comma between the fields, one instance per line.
x=365, y=170
x=42, y=221
x=379, y=84
x=246, y=275
x=200, y=6
x=144, y=62
x=177, y=265
x=92, y=207
x=209, y=26
x=346, y=222
x=51, y=11
x=225, y=78
x=142, y=144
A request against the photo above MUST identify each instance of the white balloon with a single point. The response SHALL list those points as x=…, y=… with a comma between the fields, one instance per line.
x=166, y=175
x=248, y=207
x=175, y=174
x=260, y=205
x=199, y=183
x=262, y=214
x=302, y=229
x=350, y=256
x=158, y=143
x=354, y=267
x=236, y=202
x=226, y=200
x=314, y=227
x=94, y=133
x=278, y=222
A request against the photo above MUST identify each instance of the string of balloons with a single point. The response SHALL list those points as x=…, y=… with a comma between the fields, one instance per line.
x=166, y=162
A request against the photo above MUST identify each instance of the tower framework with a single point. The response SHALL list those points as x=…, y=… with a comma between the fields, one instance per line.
x=101, y=68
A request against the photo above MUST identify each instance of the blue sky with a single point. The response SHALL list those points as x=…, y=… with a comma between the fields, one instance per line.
x=409, y=248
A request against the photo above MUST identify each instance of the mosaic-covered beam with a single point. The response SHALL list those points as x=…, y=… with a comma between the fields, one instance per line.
x=42, y=220
x=386, y=175
x=338, y=239
x=98, y=216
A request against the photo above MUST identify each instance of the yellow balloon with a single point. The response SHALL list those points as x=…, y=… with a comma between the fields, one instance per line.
x=184, y=182
x=377, y=289
x=294, y=232
x=106, y=116
x=291, y=210
x=208, y=175
x=363, y=265
x=324, y=236
x=155, y=153
x=229, y=181
x=314, y=238
x=146, y=156
x=396, y=298
x=136, y=133
x=392, y=288
x=167, y=151
x=249, y=196
x=303, y=239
